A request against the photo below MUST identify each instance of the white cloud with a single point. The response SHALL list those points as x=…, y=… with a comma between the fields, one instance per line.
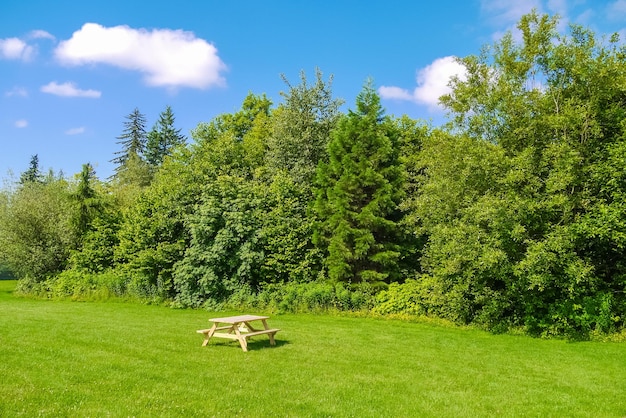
x=432, y=83
x=75, y=131
x=395, y=93
x=69, y=90
x=17, y=91
x=14, y=48
x=170, y=58
x=22, y=123
x=41, y=34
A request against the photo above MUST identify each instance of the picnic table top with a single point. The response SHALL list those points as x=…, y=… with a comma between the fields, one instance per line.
x=238, y=319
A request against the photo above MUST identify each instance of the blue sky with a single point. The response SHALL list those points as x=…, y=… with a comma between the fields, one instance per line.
x=70, y=71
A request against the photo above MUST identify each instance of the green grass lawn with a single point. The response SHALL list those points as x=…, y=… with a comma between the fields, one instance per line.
x=61, y=358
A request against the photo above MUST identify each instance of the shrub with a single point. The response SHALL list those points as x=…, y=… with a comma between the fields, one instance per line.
x=314, y=296
x=82, y=285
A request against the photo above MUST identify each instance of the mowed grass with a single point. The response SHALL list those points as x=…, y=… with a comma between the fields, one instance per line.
x=62, y=358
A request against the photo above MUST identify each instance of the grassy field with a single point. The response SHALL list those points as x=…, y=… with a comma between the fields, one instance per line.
x=61, y=358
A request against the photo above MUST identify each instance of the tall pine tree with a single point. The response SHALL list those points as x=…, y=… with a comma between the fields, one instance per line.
x=163, y=138
x=357, y=195
x=86, y=201
x=131, y=166
x=33, y=174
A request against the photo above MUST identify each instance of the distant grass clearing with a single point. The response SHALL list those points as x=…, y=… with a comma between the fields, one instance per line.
x=122, y=359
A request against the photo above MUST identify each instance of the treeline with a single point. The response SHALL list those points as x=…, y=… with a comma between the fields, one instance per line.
x=511, y=216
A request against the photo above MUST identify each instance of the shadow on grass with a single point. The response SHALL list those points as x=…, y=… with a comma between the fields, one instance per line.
x=260, y=344
x=253, y=345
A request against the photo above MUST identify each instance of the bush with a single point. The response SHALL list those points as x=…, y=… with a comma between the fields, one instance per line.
x=80, y=285
x=400, y=299
x=304, y=297
x=421, y=296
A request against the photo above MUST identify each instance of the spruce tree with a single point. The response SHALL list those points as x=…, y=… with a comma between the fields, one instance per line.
x=33, y=174
x=357, y=195
x=163, y=138
x=132, y=140
x=85, y=197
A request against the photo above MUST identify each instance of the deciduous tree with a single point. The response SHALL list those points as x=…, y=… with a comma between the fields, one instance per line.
x=301, y=128
x=523, y=206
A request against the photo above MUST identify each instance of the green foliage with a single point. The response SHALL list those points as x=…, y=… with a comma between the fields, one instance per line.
x=152, y=235
x=512, y=216
x=96, y=222
x=232, y=144
x=87, y=202
x=412, y=135
x=301, y=128
x=357, y=196
x=162, y=139
x=224, y=250
x=97, y=252
x=5, y=273
x=131, y=167
x=236, y=125
x=407, y=298
x=133, y=138
x=295, y=297
x=81, y=285
x=514, y=206
x=133, y=175
x=222, y=218
x=286, y=233
x=36, y=230
x=33, y=174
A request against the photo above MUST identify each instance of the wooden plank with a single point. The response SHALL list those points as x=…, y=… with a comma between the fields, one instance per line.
x=242, y=341
x=245, y=334
x=235, y=333
x=208, y=335
x=249, y=327
x=224, y=335
x=238, y=319
x=206, y=331
x=261, y=332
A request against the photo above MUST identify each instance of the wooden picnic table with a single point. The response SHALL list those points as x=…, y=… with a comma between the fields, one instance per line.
x=238, y=328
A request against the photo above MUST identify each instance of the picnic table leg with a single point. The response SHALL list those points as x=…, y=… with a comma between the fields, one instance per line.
x=242, y=339
x=272, y=341
x=250, y=327
x=209, y=335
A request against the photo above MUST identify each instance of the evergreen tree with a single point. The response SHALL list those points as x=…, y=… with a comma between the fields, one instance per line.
x=33, y=174
x=132, y=140
x=358, y=194
x=163, y=138
x=86, y=200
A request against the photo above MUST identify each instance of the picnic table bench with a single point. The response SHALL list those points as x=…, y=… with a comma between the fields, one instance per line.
x=238, y=328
